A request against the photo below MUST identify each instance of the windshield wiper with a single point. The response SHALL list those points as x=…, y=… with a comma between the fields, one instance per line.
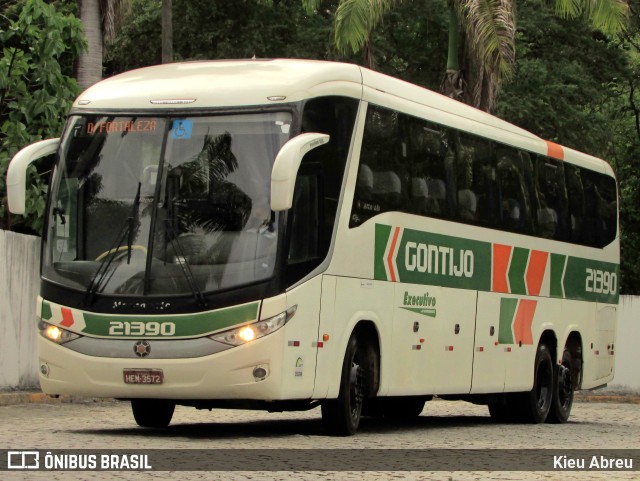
x=127, y=231
x=133, y=220
x=103, y=268
x=184, y=264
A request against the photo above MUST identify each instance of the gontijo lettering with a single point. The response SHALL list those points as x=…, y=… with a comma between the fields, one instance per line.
x=438, y=260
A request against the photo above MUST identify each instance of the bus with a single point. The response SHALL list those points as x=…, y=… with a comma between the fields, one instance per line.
x=287, y=234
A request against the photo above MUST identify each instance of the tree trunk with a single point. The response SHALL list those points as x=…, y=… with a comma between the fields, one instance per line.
x=453, y=82
x=89, y=64
x=167, y=31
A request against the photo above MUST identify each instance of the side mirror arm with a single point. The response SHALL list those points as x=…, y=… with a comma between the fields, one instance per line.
x=17, y=172
x=286, y=165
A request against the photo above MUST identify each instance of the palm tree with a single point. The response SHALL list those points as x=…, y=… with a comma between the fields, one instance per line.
x=167, y=31
x=99, y=18
x=486, y=27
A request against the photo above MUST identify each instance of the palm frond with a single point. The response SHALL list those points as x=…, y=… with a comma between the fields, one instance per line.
x=355, y=19
x=311, y=6
x=490, y=30
x=608, y=16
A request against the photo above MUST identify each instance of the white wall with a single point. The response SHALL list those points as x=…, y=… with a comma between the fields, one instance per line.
x=627, y=347
x=19, y=285
x=20, y=282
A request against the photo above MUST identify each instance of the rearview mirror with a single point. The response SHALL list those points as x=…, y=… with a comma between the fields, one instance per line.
x=17, y=171
x=286, y=165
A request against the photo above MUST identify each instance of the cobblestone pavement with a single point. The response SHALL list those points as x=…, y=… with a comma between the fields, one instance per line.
x=109, y=425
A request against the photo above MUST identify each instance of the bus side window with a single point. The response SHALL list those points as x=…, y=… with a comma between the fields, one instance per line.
x=475, y=180
x=514, y=173
x=381, y=175
x=552, y=199
x=576, y=200
x=428, y=152
x=601, y=209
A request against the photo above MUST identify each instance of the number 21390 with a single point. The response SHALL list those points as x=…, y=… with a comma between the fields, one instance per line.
x=601, y=282
x=138, y=328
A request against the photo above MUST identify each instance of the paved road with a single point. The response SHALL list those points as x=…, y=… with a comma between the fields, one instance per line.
x=458, y=425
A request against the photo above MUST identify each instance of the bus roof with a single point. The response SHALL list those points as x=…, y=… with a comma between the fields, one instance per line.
x=233, y=83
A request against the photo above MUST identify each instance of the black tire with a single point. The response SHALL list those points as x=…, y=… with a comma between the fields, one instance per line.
x=563, y=390
x=534, y=406
x=341, y=416
x=404, y=407
x=152, y=413
x=503, y=410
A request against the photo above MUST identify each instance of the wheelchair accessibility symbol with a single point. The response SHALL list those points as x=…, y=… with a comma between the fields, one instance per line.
x=181, y=129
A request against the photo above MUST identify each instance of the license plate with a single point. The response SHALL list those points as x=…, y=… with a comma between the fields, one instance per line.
x=143, y=376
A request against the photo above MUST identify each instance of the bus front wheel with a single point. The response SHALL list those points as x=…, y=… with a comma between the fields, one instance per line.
x=341, y=416
x=152, y=413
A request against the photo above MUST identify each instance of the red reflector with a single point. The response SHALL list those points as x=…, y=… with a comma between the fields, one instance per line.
x=507, y=349
x=480, y=349
x=417, y=347
x=448, y=348
x=421, y=340
x=318, y=344
x=294, y=343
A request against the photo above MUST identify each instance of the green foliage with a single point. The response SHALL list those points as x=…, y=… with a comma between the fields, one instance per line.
x=578, y=87
x=221, y=30
x=35, y=91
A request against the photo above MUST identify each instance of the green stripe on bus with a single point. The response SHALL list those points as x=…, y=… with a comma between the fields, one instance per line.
x=382, y=238
x=507, y=313
x=557, y=270
x=517, y=270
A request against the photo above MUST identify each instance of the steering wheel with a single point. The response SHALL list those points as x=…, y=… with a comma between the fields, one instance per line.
x=122, y=249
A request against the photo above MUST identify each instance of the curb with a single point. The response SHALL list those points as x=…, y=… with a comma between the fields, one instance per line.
x=36, y=397
x=608, y=398
x=29, y=397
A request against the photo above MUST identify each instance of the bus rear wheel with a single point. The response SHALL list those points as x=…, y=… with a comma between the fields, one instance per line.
x=562, y=390
x=152, y=413
x=534, y=406
x=341, y=416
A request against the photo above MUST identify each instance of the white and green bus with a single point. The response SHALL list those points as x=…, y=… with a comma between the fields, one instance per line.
x=285, y=234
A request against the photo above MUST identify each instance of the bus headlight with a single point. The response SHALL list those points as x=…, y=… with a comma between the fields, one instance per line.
x=243, y=334
x=55, y=333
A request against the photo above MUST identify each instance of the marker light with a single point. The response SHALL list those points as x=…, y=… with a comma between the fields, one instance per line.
x=242, y=335
x=56, y=334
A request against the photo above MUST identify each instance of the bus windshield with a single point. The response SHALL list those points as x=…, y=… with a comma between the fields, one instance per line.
x=164, y=206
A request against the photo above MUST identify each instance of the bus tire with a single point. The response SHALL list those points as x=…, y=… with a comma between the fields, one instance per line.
x=562, y=390
x=503, y=410
x=152, y=413
x=405, y=407
x=341, y=416
x=534, y=406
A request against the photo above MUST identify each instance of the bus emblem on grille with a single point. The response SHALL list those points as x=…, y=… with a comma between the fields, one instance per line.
x=142, y=348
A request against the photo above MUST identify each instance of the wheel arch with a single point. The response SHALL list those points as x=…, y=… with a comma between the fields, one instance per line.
x=367, y=331
x=365, y=328
x=549, y=338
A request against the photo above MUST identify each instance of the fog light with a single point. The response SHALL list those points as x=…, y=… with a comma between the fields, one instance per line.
x=44, y=369
x=259, y=373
